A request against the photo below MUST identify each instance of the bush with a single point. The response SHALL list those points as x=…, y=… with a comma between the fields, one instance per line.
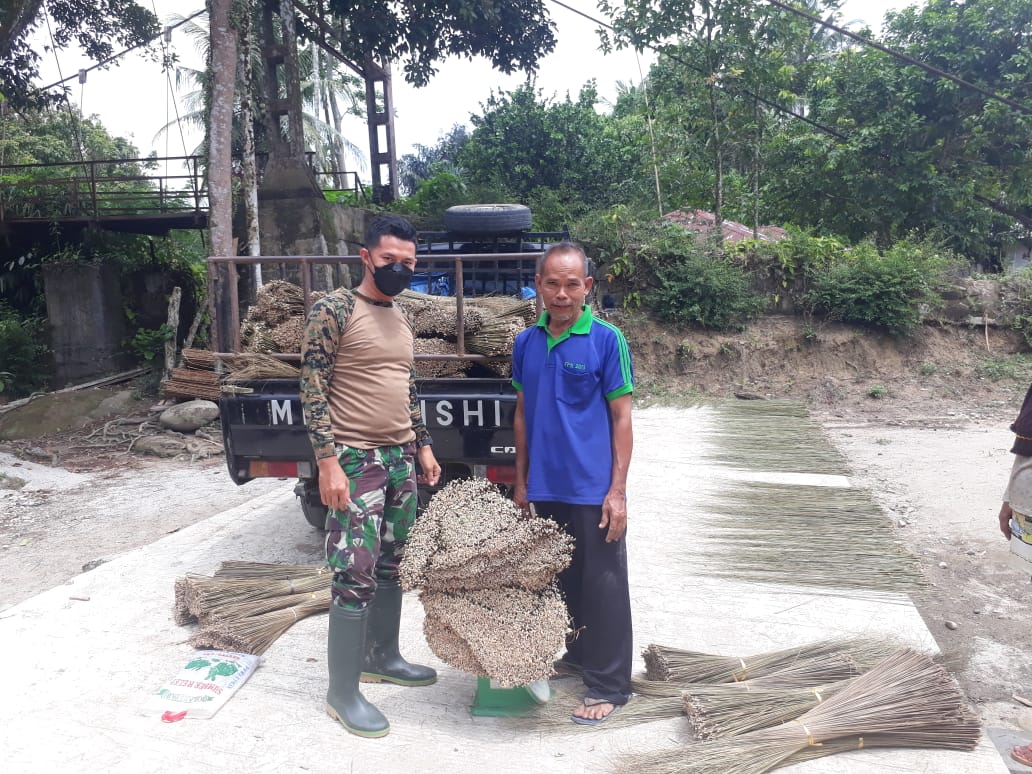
x=22, y=353
x=705, y=290
x=885, y=291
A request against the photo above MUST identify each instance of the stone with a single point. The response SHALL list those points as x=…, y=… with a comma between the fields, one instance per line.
x=951, y=625
x=160, y=446
x=190, y=416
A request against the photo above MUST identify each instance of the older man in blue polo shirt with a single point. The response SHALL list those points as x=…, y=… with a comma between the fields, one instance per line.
x=573, y=376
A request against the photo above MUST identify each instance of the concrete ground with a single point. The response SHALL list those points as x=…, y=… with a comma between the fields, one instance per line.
x=85, y=658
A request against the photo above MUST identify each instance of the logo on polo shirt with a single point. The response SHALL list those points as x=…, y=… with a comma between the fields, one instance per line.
x=574, y=366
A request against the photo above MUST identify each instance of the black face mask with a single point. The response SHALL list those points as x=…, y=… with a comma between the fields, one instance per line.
x=392, y=278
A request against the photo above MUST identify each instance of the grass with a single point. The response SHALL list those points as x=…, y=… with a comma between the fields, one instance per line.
x=877, y=391
x=659, y=392
x=1008, y=367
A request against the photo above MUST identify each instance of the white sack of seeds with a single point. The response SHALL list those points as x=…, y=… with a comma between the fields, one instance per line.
x=203, y=685
x=508, y=635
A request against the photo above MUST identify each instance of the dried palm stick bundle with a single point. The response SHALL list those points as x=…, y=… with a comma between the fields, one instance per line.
x=235, y=568
x=440, y=319
x=181, y=610
x=743, y=433
x=201, y=359
x=805, y=673
x=496, y=337
x=508, y=635
x=663, y=662
x=502, y=367
x=783, y=546
x=958, y=732
x=721, y=710
x=504, y=306
x=905, y=692
x=435, y=369
x=251, y=607
x=256, y=633
x=256, y=337
x=211, y=593
x=555, y=714
x=252, y=365
x=289, y=334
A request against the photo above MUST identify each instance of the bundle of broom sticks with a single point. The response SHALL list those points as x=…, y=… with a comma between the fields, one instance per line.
x=246, y=606
x=907, y=700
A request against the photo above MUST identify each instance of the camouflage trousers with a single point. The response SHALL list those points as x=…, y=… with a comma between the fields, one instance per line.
x=365, y=542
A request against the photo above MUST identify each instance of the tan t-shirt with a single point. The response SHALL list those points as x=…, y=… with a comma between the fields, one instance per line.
x=369, y=391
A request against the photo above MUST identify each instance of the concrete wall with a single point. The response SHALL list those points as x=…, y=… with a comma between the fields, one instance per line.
x=87, y=324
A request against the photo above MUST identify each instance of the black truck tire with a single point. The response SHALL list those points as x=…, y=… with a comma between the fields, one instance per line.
x=311, y=506
x=315, y=512
x=487, y=219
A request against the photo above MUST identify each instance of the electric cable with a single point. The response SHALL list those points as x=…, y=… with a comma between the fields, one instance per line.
x=1025, y=220
x=903, y=57
x=76, y=133
x=120, y=54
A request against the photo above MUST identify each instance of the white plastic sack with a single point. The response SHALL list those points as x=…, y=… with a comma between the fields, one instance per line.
x=204, y=684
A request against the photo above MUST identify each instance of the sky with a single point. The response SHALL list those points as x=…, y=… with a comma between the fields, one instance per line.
x=135, y=100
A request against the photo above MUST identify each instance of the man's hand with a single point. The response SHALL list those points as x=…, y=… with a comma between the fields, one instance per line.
x=1005, y=517
x=614, y=515
x=519, y=497
x=334, y=486
x=429, y=466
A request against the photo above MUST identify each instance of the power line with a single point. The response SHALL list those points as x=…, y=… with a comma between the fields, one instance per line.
x=816, y=125
x=902, y=57
x=120, y=54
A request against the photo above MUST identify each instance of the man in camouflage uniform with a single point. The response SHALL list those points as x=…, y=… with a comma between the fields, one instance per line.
x=359, y=396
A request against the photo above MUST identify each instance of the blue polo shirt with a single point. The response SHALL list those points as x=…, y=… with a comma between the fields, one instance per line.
x=567, y=383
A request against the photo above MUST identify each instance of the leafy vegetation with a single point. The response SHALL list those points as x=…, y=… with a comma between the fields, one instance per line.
x=706, y=290
x=886, y=291
x=23, y=353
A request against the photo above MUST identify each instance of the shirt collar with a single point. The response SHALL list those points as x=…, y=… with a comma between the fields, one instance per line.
x=581, y=325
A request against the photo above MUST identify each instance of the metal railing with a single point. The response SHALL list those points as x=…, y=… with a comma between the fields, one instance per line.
x=112, y=188
x=101, y=188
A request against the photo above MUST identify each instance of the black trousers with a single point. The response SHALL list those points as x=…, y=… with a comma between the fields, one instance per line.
x=598, y=600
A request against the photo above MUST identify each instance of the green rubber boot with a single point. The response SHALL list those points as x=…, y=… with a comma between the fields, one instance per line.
x=344, y=701
x=383, y=661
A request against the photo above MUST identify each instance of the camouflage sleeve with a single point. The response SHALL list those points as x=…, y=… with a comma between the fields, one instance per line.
x=326, y=321
x=418, y=425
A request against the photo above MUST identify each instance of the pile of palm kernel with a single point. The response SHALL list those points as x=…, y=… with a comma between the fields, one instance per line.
x=486, y=576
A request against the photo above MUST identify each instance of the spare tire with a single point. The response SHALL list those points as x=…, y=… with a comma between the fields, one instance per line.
x=487, y=218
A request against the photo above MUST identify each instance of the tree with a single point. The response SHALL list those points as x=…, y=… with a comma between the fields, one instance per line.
x=220, y=182
x=915, y=152
x=95, y=26
x=415, y=168
x=513, y=35
x=525, y=144
x=724, y=53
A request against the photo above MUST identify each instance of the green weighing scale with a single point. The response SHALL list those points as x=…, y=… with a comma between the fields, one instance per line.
x=490, y=700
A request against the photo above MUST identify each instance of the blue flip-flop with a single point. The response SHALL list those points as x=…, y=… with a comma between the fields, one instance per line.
x=587, y=701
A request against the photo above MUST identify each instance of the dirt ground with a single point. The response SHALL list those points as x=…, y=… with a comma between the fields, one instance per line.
x=923, y=422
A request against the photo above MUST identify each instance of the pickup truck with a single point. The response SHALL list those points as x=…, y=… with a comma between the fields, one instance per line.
x=470, y=418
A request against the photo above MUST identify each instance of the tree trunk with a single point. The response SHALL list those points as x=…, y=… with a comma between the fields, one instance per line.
x=757, y=161
x=718, y=170
x=248, y=166
x=338, y=122
x=220, y=178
